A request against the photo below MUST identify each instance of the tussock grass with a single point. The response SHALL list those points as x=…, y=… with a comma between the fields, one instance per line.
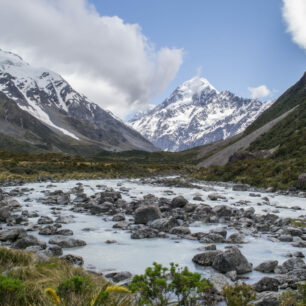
x=33, y=280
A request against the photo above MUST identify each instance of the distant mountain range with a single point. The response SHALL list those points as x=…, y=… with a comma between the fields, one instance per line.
x=197, y=114
x=40, y=111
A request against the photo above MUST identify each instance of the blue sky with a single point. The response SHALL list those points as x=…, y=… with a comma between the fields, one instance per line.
x=104, y=48
x=238, y=44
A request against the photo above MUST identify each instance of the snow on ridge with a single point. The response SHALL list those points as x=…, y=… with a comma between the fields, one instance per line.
x=197, y=114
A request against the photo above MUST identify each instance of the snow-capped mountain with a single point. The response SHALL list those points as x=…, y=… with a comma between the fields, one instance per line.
x=197, y=114
x=47, y=97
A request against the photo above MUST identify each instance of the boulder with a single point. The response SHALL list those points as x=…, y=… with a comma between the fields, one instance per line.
x=144, y=232
x=48, y=230
x=206, y=258
x=220, y=231
x=73, y=259
x=180, y=230
x=45, y=220
x=301, y=183
x=222, y=210
x=5, y=212
x=55, y=250
x=178, y=202
x=118, y=217
x=164, y=224
x=232, y=260
x=27, y=241
x=12, y=234
x=145, y=214
x=66, y=242
x=266, y=299
x=267, y=266
x=266, y=284
x=240, y=187
x=220, y=281
x=119, y=276
x=236, y=238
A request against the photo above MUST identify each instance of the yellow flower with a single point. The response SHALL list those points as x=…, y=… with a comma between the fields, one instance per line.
x=54, y=297
x=116, y=288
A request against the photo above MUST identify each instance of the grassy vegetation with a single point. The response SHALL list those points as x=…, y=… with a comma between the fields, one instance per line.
x=30, y=167
x=282, y=168
x=28, y=282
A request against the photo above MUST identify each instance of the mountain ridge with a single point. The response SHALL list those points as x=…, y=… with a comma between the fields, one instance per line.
x=197, y=114
x=46, y=96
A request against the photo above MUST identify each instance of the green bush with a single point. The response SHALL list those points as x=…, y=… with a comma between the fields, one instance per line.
x=239, y=295
x=78, y=285
x=11, y=291
x=160, y=286
x=294, y=298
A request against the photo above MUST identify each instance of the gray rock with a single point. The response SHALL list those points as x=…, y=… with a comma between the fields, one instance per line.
x=220, y=231
x=145, y=214
x=64, y=232
x=48, y=230
x=222, y=210
x=118, y=217
x=301, y=183
x=119, y=276
x=73, y=259
x=27, y=241
x=178, y=202
x=220, y=281
x=55, y=250
x=164, y=224
x=266, y=299
x=45, y=220
x=240, y=187
x=180, y=230
x=67, y=242
x=12, y=234
x=236, y=238
x=144, y=232
x=5, y=213
x=266, y=284
x=267, y=266
x=232, y=260
x=206, y=258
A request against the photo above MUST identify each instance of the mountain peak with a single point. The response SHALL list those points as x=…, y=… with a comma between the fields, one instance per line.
x=10, y=58
x=195, y=86
x=197, y=114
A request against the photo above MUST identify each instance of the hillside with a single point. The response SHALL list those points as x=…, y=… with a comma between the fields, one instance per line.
x=285, y=136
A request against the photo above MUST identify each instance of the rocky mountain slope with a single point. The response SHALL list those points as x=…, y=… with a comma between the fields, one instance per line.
x=271, y=151
x=197, y=114
x=46, y=102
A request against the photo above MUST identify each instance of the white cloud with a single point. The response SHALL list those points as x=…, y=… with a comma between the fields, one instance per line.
x=294, y=13
x=110, y=61
x=259, y=92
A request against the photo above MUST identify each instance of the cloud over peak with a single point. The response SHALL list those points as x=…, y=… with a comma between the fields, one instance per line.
x=259, y=92
x=110, y=61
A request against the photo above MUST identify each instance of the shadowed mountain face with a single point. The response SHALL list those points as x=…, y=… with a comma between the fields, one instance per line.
x=197, y=114
x=56, y=107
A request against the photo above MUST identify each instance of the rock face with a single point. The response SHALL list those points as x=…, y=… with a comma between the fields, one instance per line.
x=44, y=110
x=145, y=214
x=197, y=114
x=232, y=260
